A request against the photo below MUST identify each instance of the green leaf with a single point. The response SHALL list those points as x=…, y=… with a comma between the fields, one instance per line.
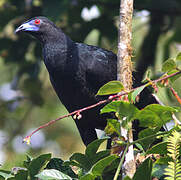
x=174, y=78
x=37, y=164
x=139, y=147
x=88, y=177
x=99, y=167
x=169, y=65
x=137, y=92
x=5, y=174
x=21, y=174
x=147, y=118
x=58, y=164
x=112, y=87
x=160, y=148
x=124, y=109
x=100, y=155
x=178, y=58
x=127, y=178
x=155, y=115
x=93, y=147
x=27, y=162
x=158, y=171
x=55, y=163
x=71, y=163
x=112, y=167
x=48, y=174
x=113, y=126
x=111, y=107
x=147, y=132
x=163, y=160
x=144, y=169
x=82, y=160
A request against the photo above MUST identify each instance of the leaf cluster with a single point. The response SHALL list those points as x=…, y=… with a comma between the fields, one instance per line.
x=152, y=118
x=160, y=158
x=24, y=65
x=93, y=164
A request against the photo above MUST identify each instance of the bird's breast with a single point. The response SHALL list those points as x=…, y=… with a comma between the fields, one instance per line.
x=54, y=61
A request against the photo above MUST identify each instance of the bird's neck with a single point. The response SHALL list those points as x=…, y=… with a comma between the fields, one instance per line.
x=51, y=36
x=55, y=51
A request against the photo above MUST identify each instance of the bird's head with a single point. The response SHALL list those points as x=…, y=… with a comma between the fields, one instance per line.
x=38, y=27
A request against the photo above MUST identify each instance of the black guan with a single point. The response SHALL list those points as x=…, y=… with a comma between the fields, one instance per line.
x=77, y=71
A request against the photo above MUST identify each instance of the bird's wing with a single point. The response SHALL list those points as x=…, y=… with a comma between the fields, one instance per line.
x=101, y=65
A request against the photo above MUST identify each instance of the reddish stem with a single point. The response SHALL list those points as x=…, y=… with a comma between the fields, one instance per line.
x=176, y=95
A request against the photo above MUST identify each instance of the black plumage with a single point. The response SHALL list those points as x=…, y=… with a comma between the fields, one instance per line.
x=77, y=71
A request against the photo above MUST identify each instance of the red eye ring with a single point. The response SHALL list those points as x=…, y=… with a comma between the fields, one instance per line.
x=37, y=21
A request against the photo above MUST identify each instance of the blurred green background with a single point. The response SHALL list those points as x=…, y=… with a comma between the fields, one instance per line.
x=27, y=99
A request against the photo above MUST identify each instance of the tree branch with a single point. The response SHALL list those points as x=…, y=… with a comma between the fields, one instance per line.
x=111, y=98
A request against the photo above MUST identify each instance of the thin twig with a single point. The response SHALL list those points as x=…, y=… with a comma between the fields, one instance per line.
x=175, y=94
x=27, y=138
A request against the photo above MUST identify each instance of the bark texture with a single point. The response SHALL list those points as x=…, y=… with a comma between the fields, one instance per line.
x=124, y=69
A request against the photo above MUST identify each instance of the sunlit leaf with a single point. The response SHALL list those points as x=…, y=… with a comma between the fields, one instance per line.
x=123, y=109
x=111, y=87
x=127, y=178
x=174, y=78
x=50, y=174
x=87, y=177
x=136, y=92
x=155, y=115
x=169, y=65
x=113, y=126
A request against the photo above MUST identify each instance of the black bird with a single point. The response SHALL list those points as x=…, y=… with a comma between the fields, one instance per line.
x=77, y=71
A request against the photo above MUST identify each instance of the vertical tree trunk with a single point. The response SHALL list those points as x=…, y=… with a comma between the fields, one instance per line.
x=124, y=69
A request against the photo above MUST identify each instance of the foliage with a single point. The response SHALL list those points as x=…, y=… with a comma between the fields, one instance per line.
x=111, y=87
x=173, y=171
x=31, y=167
x=90, y=165
x=145, y=167
x=104, y=164
x=156, y=38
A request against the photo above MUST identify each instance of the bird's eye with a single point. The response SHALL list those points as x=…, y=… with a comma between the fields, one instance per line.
x=37, y=21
